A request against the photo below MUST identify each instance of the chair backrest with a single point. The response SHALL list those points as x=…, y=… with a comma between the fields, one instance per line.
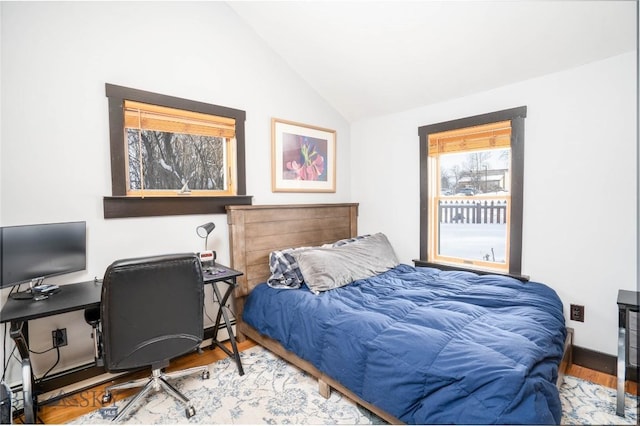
x=151, y=310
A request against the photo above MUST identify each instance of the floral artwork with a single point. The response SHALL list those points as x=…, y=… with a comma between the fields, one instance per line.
x=303, y=158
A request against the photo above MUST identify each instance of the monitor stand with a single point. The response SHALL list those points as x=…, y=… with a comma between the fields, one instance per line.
x=30, y=293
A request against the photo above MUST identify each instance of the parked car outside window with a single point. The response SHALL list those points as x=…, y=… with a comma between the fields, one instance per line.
x=466, y=191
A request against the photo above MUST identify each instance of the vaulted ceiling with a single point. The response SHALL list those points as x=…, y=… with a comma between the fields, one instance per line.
x=369, y=58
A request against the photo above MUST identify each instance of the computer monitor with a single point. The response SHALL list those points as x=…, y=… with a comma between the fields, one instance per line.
x=31, y=253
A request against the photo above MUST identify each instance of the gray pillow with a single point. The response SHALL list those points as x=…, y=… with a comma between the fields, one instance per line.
x=284, y=268
x=326, y=268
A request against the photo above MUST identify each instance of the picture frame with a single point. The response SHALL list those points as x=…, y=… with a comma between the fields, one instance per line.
x=303, y=157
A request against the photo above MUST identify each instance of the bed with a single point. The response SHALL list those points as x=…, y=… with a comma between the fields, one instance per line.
x=411, y=344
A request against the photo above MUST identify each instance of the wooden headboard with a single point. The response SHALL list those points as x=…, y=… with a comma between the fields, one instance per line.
x=255, y=231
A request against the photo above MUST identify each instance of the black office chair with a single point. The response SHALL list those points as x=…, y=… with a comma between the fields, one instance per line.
x=151, y=312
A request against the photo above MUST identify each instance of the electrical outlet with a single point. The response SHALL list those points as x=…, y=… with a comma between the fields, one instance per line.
x=59, y=337
x=577, y=313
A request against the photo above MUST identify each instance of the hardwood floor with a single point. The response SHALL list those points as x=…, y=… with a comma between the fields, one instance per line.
x=601, y=378
x=75, y=405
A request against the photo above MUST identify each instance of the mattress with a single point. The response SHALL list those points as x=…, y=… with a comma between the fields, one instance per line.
x=428, y=346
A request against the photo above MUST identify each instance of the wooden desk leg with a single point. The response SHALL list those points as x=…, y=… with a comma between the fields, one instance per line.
x=622, y=343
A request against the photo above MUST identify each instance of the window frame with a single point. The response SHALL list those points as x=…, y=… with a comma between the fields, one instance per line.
x=119, y=204
x=141, y=118
x=516, y=116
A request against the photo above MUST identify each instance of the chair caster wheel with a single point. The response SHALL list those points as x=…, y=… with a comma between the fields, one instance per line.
x=205, y=375
x=106, y=398
x=190, y=411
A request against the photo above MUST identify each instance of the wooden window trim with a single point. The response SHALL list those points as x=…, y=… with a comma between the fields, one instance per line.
x=516, y=116
x=469, y=139
x=120, y=205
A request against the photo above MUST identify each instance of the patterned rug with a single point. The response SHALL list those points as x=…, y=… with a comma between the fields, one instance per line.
x=274, y=392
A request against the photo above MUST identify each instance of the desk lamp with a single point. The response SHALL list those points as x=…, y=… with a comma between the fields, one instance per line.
x=207, y=257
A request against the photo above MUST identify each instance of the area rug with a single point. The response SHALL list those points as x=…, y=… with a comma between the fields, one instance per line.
x=275, y=392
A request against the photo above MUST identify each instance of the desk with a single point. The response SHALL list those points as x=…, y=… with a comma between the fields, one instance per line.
x=87, y=295
x=72, y=297
x=627, y=302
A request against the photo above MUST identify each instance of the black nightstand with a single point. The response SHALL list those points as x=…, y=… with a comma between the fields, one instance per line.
x=627, y=302
x=217, y=275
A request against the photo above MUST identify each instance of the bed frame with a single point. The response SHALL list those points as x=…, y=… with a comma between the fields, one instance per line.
x=255, y=231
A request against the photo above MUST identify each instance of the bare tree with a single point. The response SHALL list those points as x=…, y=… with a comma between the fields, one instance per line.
x=474, y=167
x=165, y=160
x=454, y=173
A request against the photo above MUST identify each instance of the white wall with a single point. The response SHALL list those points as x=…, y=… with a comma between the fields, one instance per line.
x=56, y=59
x=0, y=122
x=580, y=185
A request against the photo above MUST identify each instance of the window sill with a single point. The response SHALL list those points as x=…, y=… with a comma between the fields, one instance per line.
x=445, y=267
x=120, y=207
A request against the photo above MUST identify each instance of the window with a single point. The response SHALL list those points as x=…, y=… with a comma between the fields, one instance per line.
x=173, y=156
x=471, y=192
x=173, y=151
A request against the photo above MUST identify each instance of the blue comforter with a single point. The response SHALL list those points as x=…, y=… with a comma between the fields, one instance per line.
x=428, y=346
